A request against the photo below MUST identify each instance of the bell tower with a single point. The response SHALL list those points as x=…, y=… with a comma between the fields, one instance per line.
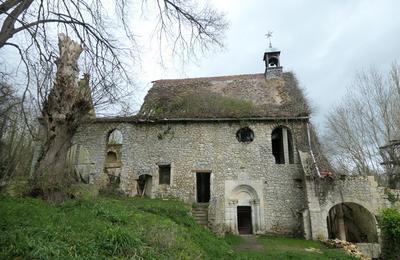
x=272, y=60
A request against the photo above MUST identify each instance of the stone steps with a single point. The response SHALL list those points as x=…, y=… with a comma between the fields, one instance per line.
x=200, y=214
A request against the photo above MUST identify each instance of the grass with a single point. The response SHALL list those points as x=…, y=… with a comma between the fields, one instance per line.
x=127, y=228
x=289, y=248
x=203, y=104
x=104, y=228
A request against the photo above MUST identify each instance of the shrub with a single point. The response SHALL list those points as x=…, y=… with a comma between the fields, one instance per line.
x=389, y=223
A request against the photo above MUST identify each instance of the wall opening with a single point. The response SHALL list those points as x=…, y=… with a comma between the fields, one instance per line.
x=113, y=152
x=352, y=222
x=244, y=210
x=111, y=157
x=244, y=220
x=203, y=187
x=114, y=137
x=164, y=174
x=277, y=146
x=144, y=185
x=245, y=135
x=290, y=146
x=282, y=145
x=273, y=62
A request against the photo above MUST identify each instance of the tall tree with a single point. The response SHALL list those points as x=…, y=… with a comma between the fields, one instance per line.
x=366, y=119
x=105, y=30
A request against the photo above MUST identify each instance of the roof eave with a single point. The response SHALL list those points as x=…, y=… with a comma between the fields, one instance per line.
x=177, y=120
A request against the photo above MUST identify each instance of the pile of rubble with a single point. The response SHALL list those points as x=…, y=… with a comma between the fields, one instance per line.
x=350, y=248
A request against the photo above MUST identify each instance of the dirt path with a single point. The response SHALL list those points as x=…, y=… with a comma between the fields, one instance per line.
x=249, y=243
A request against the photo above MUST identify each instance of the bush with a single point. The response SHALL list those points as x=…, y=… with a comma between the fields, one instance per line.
x=389, y=223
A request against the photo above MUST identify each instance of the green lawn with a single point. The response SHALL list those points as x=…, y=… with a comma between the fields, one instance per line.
x=126, y=228
x=287, y=248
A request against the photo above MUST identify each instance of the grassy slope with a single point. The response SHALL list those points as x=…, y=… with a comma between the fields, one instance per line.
x=105, y=228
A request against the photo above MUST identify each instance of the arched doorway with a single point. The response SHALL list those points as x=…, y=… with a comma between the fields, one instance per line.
x=244, y=210
x=352, y=222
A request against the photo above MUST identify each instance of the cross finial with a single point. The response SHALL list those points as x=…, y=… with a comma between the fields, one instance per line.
x=269, y=36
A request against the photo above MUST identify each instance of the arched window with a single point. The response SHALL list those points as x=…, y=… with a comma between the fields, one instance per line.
x=113, y=149
x=282, y=145
x=115, y=137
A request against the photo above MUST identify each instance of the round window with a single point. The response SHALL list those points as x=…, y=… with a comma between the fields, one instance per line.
x=245, y=135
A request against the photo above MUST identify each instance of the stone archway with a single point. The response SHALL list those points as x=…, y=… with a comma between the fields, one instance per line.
x=244, y=202
x=352, y=222
x=78, y=163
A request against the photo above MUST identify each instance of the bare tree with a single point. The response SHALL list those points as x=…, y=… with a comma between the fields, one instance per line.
x=105, y=32
x=7, y=102
x=106, y=29
x=15, y=142
x=366, y=119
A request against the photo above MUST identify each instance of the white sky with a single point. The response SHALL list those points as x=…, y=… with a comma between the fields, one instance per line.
x=323, y=42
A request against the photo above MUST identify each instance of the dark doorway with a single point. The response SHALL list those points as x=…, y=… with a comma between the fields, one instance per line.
x=352, y=222
x=144, y=185
x=244, y=219
x=203, y=187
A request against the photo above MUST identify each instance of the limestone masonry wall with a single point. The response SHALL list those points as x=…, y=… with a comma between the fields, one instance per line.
x=325, y=193
x=206, y=146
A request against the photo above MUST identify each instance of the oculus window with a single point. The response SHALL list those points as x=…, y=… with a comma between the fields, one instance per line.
x=245, y=135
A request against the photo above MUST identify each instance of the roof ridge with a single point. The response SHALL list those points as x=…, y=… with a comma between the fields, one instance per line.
x=224, y=77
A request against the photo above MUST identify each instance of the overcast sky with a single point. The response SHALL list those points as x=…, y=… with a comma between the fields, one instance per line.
x=323, y=42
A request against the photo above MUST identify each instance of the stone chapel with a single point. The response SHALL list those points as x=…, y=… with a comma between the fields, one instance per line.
x=240, y=149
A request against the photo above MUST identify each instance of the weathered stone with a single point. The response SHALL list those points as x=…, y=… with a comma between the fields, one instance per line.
x=212, y=147
x=289, y=191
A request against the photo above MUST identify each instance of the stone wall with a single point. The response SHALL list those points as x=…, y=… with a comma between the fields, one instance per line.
x=205, y=146
x=325, y=193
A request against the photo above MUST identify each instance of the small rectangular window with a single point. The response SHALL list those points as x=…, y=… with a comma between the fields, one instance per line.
x=164, y=172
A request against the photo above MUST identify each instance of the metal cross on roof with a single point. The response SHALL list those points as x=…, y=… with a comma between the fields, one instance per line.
x=269, y=36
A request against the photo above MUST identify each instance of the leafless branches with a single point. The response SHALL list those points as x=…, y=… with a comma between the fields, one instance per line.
x=104, y=30
x=366, y=119
x=15, y=142
x=107, y=31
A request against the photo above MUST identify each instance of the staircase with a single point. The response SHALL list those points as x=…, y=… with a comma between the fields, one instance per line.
x=200, y=214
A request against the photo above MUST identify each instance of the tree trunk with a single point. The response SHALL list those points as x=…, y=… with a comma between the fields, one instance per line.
x=67, y=104
x=51, y=179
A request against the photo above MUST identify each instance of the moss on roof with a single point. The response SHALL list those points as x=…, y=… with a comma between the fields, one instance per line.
x=240, y=96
